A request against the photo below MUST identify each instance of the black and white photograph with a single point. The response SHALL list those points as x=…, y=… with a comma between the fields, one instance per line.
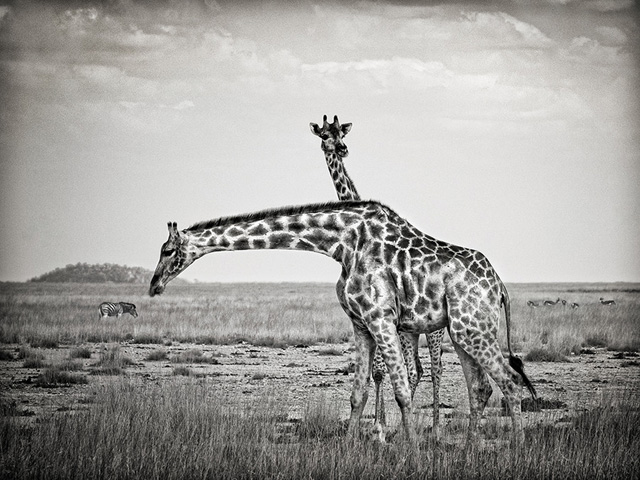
x=323, y=239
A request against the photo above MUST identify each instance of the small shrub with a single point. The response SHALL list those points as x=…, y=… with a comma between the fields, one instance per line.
x=70, y=366
x=545, y=355
x=44, y=343
x=193, y=356
x=81, y=352
x=184, y=371
x=109, y=370
x=24, y=352
x=598, y=339
x=32, y=359
x=156, y=355
x=259, y=376
x=34, y=362
x=147, y=339
x=626, y=345
x=272, y=342
x=4, y=355
x=334, y=351
x=112, y=362
x=54, y=376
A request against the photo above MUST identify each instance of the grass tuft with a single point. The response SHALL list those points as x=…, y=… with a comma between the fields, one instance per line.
x=55, y=376
x=333, y=351
x=44, y=343
x=184, y=371
x=80, y=352
x=193, y=356
x=6, y=356
x=545, y=355
x=157, y=355
x=112, y=362
x=148, y=339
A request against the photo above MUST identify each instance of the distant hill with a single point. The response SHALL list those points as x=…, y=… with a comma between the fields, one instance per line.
x=99, y=273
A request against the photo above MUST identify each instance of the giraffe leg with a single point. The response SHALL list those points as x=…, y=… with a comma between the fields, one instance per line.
x=481, y=345
x=434, y=341
x=379, y=371
x=478, y=387
x=365, y=346
x=409, y=345
x=387, y=340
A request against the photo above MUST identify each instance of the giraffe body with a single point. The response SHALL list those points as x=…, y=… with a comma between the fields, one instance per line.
x=394, y=279
x=335, y=150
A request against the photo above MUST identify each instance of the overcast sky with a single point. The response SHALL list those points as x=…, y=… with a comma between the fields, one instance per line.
x=511, y=127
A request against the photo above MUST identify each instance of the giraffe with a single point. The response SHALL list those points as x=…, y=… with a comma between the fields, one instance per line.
x=394, y=278
x=335, y=150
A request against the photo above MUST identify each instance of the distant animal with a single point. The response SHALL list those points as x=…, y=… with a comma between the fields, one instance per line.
x=574, y=305
x=110, y=309
x=607, y=302
x=533, y=304
x=551, y=302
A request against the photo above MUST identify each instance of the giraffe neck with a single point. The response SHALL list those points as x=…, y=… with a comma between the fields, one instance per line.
x=326, y=229
x=345, y=188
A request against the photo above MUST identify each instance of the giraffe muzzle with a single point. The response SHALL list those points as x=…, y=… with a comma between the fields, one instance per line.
x=156, y=287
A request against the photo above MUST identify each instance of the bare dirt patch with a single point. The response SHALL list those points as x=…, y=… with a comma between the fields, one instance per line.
x=297, y=376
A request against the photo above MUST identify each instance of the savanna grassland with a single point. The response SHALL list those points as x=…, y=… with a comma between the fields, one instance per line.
x=253, y=381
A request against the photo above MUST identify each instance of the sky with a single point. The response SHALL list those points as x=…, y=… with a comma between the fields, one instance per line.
x=508, y=126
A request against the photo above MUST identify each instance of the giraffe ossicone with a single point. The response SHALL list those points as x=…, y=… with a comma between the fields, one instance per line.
x=394, y=278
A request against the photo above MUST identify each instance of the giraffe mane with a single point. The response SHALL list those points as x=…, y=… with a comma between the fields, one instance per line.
x=273, y=212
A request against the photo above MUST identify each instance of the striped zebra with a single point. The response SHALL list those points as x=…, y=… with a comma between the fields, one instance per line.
x=110, y=309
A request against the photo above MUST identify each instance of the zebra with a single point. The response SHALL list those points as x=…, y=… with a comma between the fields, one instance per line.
x=607, y=302
x=110, y=309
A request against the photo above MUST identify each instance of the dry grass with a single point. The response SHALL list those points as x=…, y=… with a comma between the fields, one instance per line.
x=185, y=431
x=271, y=315
x=184, y=428
x=280, y=315
x=562, y=330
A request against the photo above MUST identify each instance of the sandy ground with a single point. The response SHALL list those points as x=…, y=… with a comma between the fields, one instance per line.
x=297, y=376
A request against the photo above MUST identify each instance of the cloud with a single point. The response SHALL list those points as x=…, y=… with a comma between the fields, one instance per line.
x=598, y=5
x=379, y=75
x=502, y=30
x=4, y=11
x=589, y=51
x=609, y=5
x=612, y=36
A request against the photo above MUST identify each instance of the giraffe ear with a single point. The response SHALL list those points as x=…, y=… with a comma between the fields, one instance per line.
x=346, y=128
x=315, y=129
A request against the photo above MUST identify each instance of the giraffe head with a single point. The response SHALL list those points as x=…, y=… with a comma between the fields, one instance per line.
x=332, y=136
x=175, y=256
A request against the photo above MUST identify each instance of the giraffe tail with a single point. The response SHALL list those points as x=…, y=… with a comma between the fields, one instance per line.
x=518, y=366
x=514, y=362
